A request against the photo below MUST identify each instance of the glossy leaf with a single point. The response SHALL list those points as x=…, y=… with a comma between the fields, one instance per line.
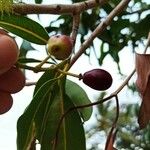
x=25, y=28
x=79, y=97
x=25, y=125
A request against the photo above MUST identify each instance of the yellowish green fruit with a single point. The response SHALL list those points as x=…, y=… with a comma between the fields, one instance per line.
x=60, y=46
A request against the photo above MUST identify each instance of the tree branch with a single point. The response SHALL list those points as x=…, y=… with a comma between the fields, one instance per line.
x=75, y=27
x=75, y=8
x=100, y=29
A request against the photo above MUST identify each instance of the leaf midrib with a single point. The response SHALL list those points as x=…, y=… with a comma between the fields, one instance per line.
x=25, y=30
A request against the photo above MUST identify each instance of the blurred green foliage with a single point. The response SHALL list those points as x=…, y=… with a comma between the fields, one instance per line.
x=129, y=137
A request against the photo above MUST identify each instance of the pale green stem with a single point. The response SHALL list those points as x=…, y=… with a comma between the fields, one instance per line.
x=43, y=62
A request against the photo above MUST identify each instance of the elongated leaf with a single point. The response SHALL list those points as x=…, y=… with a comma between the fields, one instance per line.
x=25, y=28
x=26, y=121
x=79, y=97
x=41, y=118
x=71, y=134
x=28, y=60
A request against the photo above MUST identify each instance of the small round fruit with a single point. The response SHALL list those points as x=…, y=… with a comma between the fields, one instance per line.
x=8, y=53
x=97, y=79
x=60, y=46
x=6, y=102
x=12, y=81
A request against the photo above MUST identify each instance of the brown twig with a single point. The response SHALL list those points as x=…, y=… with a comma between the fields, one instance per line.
x=100, y=29
x=124, y=83
x=114, y=123
x=75, y=8
x=75, y=27
x=30, y=83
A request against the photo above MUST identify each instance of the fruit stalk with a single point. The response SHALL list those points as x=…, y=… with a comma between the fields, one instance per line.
x=79, y=76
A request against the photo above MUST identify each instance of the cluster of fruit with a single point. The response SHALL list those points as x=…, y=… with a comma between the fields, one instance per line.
x=12, y=80
x=60, y=46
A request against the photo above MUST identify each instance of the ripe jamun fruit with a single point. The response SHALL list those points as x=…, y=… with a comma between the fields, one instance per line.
x=8, y=53
x=97, y=79
x=12, y=81
x=60, y=46
x=6, y=102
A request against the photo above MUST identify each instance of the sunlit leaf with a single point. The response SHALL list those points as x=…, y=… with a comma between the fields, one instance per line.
x=25, y=28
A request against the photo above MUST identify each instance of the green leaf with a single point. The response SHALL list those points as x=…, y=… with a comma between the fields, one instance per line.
x=46, y=125
x=48, y=75
x=41, y=118
x=79, y=97
x=119, y=25
x=38, y=1
x=25, y=124
x=25, y=28
x=142, y=27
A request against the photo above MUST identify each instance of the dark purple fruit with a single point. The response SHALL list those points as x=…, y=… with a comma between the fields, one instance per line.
x=97, y=79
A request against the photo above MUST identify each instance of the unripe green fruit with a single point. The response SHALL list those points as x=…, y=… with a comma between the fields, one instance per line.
x=8, y=52
x=97, y=79
x=60, y=46
x=12, y=81
x=6, y=102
